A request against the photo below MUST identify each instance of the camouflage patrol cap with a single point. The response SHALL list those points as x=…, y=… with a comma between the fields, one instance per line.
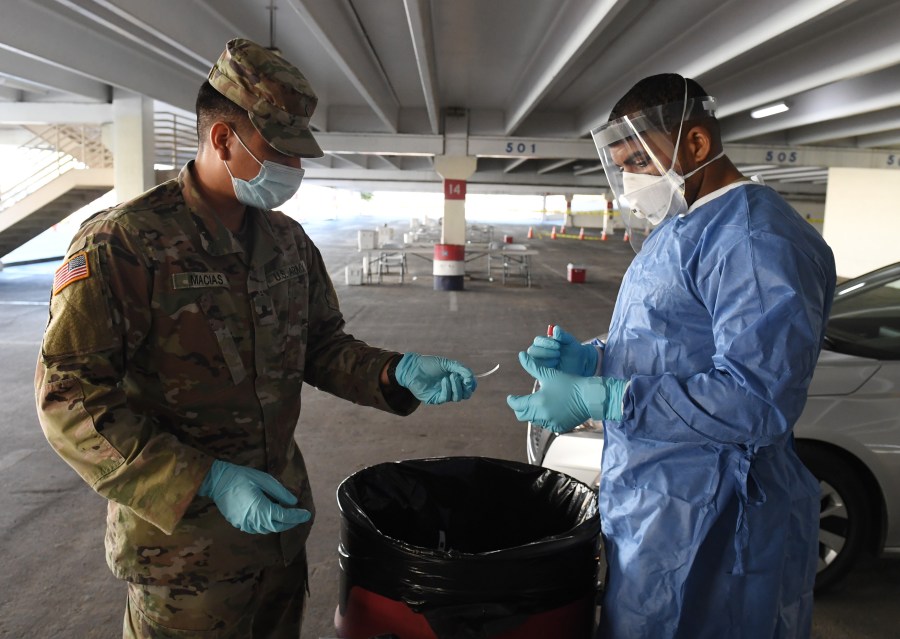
x=277, y=97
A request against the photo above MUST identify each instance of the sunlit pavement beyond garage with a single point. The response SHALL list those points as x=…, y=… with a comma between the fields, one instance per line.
x=54, y=579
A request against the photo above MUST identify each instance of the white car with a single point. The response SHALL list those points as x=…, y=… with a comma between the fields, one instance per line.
x=848, y=434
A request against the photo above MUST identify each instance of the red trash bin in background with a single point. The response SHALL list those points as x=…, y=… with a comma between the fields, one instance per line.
x=466, y=548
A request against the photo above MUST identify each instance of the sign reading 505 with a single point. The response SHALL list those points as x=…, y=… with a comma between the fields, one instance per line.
x=782, y=157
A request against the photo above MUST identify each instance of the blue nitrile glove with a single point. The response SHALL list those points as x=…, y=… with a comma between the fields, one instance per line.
x=242, y=495
x=564, y=401
x=435, y=380
x=564, y=352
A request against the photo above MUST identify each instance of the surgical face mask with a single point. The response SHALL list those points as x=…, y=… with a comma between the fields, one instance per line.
x=656, y=197
x=274, y=185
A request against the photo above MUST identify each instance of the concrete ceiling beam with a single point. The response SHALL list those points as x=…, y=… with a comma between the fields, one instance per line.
x=875, y=122
x=40, y=74
x=55, y=112
x=854, y=96
x=337, y=28
x=418, y=15
x=743, y=27
x=101, y=57
x=566, y=39
x=862, y=46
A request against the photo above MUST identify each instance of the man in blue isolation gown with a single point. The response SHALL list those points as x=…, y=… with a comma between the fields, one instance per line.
x=709, y=518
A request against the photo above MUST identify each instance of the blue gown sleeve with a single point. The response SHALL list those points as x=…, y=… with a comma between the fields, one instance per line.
x=765, y=298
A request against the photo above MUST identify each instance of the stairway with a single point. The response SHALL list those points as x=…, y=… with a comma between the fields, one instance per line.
x=71, y=166
x=49, y=205
x=82, y=143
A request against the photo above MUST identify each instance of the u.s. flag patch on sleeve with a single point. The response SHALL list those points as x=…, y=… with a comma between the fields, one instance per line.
x=76, y=268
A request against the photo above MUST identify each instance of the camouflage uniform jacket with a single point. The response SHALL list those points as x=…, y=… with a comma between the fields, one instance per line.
x=179, y=347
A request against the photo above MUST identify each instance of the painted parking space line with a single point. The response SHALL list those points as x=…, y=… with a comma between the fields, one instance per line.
x=18, y=303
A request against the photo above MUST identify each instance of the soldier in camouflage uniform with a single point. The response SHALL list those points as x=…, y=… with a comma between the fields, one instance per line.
x=182, y=326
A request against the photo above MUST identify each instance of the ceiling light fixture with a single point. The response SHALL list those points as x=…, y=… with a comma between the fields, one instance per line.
x=772, y=109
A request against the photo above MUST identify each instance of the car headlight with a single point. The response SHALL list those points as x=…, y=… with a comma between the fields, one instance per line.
x=538, y=442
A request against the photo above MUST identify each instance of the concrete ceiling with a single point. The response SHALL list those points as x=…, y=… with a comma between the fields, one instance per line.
x=517, y=83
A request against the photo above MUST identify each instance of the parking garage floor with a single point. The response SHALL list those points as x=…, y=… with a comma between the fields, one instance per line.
x=54, y=579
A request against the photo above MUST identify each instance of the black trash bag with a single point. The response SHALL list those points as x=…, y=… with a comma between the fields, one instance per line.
x=476, y=545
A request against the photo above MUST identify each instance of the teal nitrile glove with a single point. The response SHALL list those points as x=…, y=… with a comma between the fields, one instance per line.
x=564, y=401
x=564, y=352
x=242, y=495
x=435, y=380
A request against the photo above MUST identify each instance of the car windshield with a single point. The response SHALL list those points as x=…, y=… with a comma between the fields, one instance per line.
x=865, y=319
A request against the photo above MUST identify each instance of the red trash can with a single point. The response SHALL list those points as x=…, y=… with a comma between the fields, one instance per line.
x=466, y=548
x=576, y=273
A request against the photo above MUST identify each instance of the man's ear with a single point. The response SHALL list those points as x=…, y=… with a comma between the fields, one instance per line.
x=698, y=144
x=219, y=137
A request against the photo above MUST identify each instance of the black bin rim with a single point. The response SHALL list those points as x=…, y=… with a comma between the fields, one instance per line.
x=587, y=527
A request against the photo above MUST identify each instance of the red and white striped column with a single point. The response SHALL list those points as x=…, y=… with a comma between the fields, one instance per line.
x=450, y=253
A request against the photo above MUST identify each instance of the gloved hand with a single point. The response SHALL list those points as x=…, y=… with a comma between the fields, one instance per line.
x=564, y=401
x=564, y=352
x=435, y=380
x=242, y=495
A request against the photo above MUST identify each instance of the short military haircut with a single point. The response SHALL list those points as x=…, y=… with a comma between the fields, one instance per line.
x=214, y=107
x=658, y=90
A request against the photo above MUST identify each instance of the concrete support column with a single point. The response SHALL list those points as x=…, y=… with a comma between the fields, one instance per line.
x=133, y=144
x=454, y=170
x=449, y=262
x=608, y=224
x=567, y=220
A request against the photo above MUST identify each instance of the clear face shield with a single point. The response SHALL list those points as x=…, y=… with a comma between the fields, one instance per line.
x=640, y=157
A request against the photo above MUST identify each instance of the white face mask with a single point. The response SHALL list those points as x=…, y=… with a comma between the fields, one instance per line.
x=653, y=197
x=656, y=197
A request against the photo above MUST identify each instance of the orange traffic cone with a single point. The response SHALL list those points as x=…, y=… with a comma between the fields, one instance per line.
x=562, y=229
x=581, y=234
x=625, y=237
x=553, y=233
x=603, y=236
x=530, y=232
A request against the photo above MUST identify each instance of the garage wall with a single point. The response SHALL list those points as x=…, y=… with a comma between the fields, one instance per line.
x=862, y=219
x=814, y=212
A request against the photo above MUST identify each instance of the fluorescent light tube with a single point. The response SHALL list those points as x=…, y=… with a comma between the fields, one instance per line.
x=772, y=109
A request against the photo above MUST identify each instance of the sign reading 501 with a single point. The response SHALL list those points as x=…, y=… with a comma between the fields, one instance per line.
x=521, y=147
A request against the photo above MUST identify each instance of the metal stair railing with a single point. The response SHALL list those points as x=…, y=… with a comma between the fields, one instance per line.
x=176, y=138
x=83, y=142
x=53, y=151
x=59, y=148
